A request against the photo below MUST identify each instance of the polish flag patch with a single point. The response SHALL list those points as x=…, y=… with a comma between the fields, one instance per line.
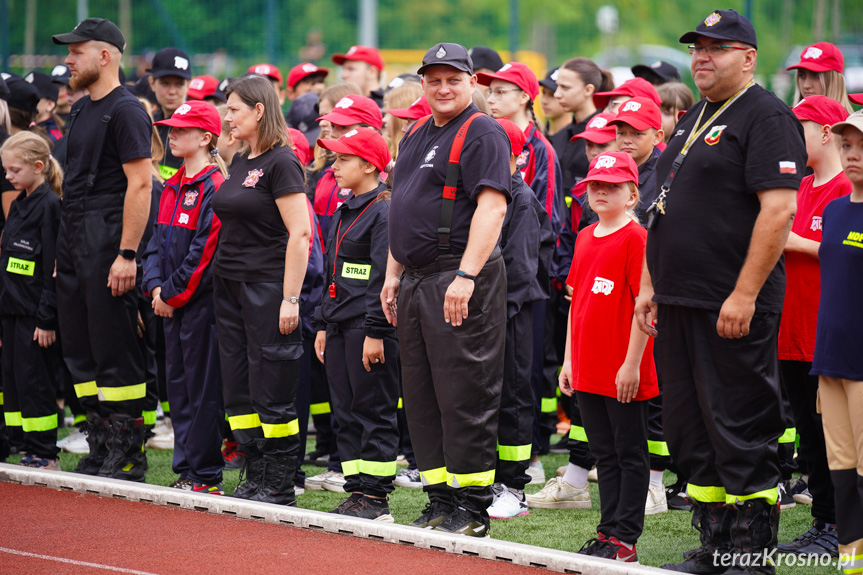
x=787, y=168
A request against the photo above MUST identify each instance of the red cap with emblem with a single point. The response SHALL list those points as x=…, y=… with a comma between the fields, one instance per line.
x=632, y=88
x=415, y=111
x=611, y=167
x=598, y=129
x=301, y=146
x=354, y=109
x=640, y=113
x=363, y=142
x=514, y=73
x=517, y=139
x=365, y=54
x=304, y=70
x=202, y=86
x=266, y=70
x=820, y=57
x=195, y=114
x=820, y=109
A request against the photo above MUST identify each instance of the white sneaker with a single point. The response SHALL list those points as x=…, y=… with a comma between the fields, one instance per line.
x=315, y=482
x=408, y=478
x=507, y=503
x=558, y=494
x=335, y=483
x=75, y=442
x=592, y=476
x=561, y=471
x=163, y=437
x=536, y=473
x=402, y=461
x=656, y=502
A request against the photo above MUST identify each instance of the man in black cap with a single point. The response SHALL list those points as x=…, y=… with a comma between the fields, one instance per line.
x=715, y=282
x=659, y=72
x=106, y=203
x=446, y=290
x=170, y=74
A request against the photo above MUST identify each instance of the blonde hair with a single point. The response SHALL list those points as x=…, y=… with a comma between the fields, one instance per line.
x=480, y=102
x=332, y=95
x=834, y=88
x=272, y=129
x=630, y=210
x=31, y=148
x=157, y=148
x=401, y=97
x=213, y=153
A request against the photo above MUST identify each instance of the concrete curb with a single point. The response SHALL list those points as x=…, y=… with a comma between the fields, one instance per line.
x=494, y=549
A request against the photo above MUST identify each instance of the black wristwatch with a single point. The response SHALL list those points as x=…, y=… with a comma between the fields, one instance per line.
x=128, y=254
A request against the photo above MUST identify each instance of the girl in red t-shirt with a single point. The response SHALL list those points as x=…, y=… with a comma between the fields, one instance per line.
x=608, y=362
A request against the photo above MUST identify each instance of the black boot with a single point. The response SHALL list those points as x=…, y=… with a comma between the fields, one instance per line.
x=97, y=433
x=277, y=485
x=713, y=522
x=252, y=472
x=126, y=458
x=754, y=529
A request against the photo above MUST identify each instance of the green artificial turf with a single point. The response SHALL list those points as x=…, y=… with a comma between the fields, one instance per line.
x=666, y=536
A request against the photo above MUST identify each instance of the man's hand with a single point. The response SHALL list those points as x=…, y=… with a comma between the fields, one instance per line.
x=45, y=337
x=373, y=352
x=121, y=277
x=455, y=302
x=735, y=316
x=389, y=299
x=645, y=312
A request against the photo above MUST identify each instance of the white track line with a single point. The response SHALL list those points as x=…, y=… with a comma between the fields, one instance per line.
x=74, y=562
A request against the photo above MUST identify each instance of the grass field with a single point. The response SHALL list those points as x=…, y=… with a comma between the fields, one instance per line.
x=665, y=538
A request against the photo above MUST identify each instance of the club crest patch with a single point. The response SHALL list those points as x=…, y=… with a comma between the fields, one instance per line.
x=190, y=199
x=713, y=135
x=522, y=158
x=712, y=20
x=252, y=179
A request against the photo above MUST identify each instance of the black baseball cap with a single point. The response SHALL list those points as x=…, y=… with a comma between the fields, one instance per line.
x=45, y=86
x=142, y=89
x=303, y=116
x=61, y=74
x=171, y=62
x=724, y=25
x=22, y=95
x=485, y=57
x=97, y=29
x=550, y=80
x=657, y=73
x=447, y=54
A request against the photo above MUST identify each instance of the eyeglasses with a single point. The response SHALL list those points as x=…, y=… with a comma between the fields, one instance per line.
x=498, y=93
x=713, y=49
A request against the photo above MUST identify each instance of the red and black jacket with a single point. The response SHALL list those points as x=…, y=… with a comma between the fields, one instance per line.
x=185, y=236
x=541, y=171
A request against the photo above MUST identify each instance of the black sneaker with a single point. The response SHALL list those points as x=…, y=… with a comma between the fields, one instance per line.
x=675, y=497
x=827, y=543
x=786, y=500
x=434, y=513
x=594, y=545
x=370, y=508
x=464, y=522
x=347, y=504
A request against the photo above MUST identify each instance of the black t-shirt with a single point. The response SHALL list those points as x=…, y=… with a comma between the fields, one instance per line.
x=696, y=250
x=128, y=138
x=253, y=237
x=418, y=182
x=573, y=156
x=169, y=164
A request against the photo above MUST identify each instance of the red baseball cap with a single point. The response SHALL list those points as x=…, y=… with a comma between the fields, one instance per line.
x=415, y=111
x=301, y=146
x=354, y=109
x=856, y=98
x=202, y=86
x=598, y=129
x=304, y=70
x=820, y=57
x=363, y=142
x=632, y=88
x=266, y=70
x=820, y=109
x=514, y=73
x=640, y=113
x=195, y=114
x=516, y=135
x=365, y=54
x=611, y=167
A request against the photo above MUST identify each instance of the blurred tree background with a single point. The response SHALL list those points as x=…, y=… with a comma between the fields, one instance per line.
x=224, y=38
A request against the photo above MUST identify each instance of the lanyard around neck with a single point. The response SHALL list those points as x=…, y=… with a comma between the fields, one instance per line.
x=696, y=131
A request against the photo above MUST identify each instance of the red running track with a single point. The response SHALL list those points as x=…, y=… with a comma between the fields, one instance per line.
x=44, y=531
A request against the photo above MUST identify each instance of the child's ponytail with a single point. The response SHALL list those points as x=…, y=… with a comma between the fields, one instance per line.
x=215, y=158
x=54, y=176
x=630, y=211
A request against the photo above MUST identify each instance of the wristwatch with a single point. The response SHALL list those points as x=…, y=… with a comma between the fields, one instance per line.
x=128, y=254
x=292, y=299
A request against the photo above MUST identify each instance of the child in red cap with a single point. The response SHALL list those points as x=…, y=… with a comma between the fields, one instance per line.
x=819, y=73
x=177, y=275
x=608, y=362
x=360, y=345
x=304, y=78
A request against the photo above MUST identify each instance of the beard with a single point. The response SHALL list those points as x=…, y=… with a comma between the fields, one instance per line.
x=85, y=78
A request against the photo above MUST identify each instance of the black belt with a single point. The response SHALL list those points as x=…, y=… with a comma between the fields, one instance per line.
x=444, y=263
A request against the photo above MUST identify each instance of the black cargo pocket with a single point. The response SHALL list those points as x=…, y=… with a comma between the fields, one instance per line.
x=281, y=351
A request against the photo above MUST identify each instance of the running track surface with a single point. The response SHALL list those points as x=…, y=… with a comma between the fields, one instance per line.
x=44, y=531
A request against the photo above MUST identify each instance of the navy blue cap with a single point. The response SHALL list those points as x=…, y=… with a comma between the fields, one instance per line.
x=22, y=95
x=171, y=62
x=45, y=86
x=657, y=73
x=485, y=57
x=724, y=25
x=61, y=74
x=550, y=80
x=303, y=116
x=447, y=54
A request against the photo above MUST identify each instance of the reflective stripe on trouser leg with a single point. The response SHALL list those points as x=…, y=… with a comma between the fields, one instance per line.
x=319, y=408
x=769, y=495
x=13, y=418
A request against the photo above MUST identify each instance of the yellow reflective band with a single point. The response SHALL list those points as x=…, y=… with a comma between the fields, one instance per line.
x=13, y=418
x=852, y=570
x=557, y=392
x=124, y=392
x=356, y=271
x=351, y=467
x=433, y=476
x=568, y=200
x=770, y=495
x=513, y=452
x=149, y=417
x=658, y=448
x=319, y=408
x=80, y=418
x=548, y=405
x=578, y=433
x=401, y=404
x=378, y=468
x=86, y=389
x=46, y=423
x=166, y=172
x=789, y=436
x=21, y=267
x=481, y=479
x=249, y=421
x=1, y=398
x=272, y=430
x=166, y=407
x=706, y=494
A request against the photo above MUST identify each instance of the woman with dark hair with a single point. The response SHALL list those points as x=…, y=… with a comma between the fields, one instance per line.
x=257, y=276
